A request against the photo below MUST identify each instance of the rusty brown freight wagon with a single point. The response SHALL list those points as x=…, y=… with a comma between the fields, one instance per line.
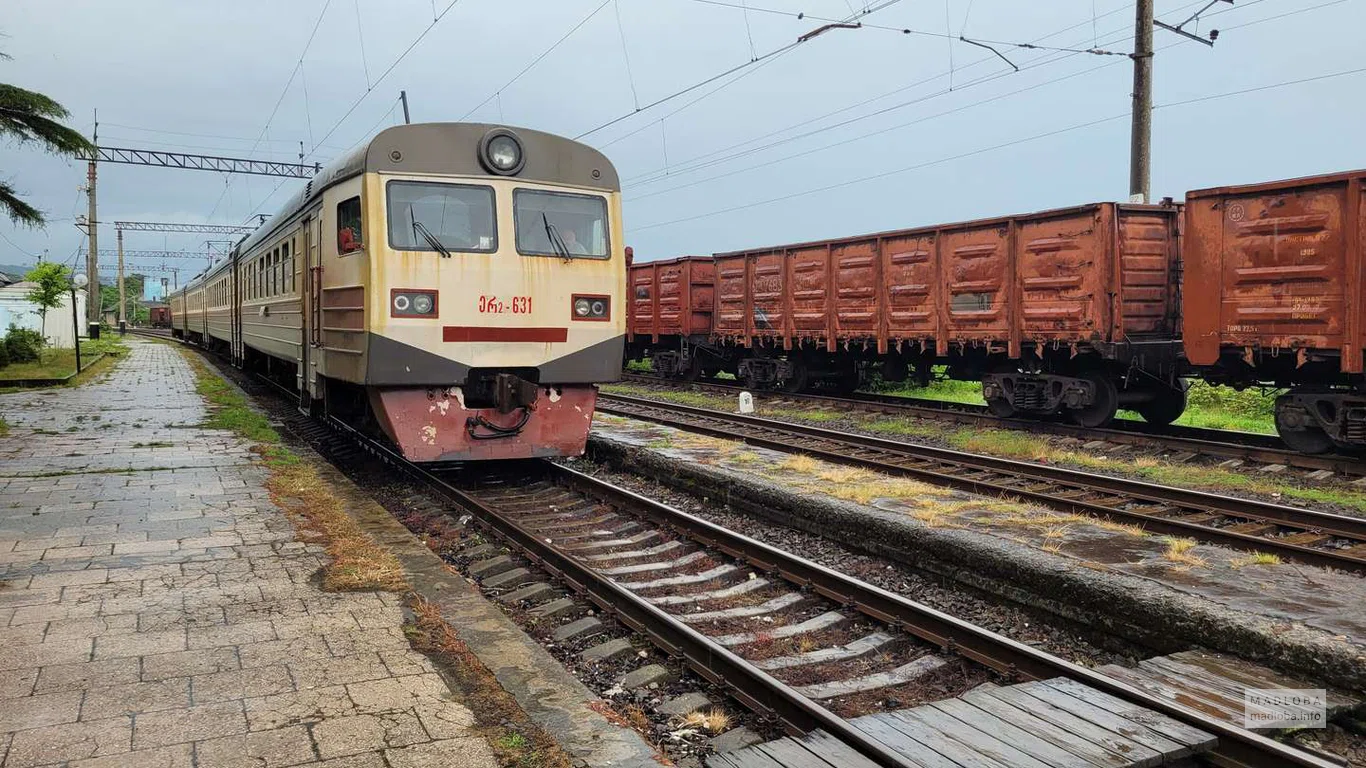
x=1275, y=293
x=1073, y=309
x=669, y=318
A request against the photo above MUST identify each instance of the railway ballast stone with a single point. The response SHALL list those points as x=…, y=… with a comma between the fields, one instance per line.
x=1139, y=609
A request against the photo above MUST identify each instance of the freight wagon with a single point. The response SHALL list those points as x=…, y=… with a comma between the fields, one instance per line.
x=1067, y=310
x=1276, y=295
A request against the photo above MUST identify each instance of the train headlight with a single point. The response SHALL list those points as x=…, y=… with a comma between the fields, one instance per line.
x=592, y=308
x=500, y=152
x=406, y=303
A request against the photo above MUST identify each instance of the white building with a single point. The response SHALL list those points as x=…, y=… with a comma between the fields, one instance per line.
x=16, y=309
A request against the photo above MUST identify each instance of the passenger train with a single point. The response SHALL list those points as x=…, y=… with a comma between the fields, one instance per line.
x=455, y=287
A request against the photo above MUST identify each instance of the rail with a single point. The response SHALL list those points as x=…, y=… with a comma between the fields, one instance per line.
x=1339, y=539
x=1267, y=449
x=757, y=689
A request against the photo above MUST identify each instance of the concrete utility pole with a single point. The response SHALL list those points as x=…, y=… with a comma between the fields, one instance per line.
x=1141, y=134
x=123, y=298
x=92, y=261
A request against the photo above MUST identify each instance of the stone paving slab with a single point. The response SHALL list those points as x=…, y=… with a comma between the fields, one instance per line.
x=156, y=609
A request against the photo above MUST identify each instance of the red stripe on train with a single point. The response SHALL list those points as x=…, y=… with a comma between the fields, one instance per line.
x=494, y=333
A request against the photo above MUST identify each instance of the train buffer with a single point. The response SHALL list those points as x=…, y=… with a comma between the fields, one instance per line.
x=1057, y=722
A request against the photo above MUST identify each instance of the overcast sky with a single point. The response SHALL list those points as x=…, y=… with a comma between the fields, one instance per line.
x=857, y=130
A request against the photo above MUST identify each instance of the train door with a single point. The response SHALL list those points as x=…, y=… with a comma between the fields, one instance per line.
x=239, y=351
x=311, y=334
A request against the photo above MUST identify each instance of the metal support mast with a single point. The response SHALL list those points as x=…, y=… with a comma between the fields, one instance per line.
x=123, y=297
x=1140, y=136
x=92, y=262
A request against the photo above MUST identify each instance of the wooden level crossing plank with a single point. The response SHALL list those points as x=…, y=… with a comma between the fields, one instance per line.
x=1043, y=724
x=1257, y=676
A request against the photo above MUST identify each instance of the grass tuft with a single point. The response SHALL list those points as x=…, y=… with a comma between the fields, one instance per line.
x=1179, y=551
x=713, y=720
x=1255, y=558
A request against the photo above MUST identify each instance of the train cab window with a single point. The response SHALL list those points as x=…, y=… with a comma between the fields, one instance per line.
x=425, y=216
x=349, y=235
x=560, y=224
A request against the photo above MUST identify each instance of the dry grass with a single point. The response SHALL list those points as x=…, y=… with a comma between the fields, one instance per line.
x=1052, y=547
x=357, y=562
x=516, y=740
x=1255, y=558
x=1057, y=531
x=799, y=463
x=713, y=720
x=1180, y=551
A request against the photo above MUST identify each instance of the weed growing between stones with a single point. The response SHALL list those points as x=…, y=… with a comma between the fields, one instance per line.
x=516, y=740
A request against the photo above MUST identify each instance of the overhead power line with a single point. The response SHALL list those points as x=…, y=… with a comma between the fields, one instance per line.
x=537, y=60
x=1002, y=145
x=808, y=37
x=697, y=165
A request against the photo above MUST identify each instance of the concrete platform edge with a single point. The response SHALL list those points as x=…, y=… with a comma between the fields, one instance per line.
x=1126, y=606
x=552, y=697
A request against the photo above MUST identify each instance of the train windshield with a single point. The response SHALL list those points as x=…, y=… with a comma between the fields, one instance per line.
x=425, y=215
x=560, y=224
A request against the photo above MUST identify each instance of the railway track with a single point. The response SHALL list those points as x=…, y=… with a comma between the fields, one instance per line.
x=1184, y=442
x=660, y=572
x=1316, y=538
x=656, y=569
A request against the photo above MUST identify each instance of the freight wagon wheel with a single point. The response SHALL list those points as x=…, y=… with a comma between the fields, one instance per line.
x=1001, y=408
x=1298, y=430
x=1166, y=407
x=1102, y=408
x=798, y=381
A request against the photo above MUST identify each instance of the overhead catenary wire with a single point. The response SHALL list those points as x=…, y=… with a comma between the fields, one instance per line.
x=696, y=163
x=998, y=97
x=370, y=88
x=538, y=59
x=806, y=122
x=689, y=89
x=1002, y=145
x=626, y=54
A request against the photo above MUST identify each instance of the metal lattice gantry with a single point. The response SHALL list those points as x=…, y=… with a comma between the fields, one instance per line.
x=205, y=162
x=140, y=254
x=213, y=229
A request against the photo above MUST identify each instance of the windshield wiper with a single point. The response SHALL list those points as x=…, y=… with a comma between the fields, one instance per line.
x=427, y=235
x=556, y=242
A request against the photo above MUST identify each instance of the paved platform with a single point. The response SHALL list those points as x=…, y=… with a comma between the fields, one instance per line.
x=156, y=608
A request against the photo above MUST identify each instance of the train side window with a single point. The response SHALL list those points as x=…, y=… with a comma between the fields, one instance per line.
x=287, y=270
x=349, y=236
x=275, y=272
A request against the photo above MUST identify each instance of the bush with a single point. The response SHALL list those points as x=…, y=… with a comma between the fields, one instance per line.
x=1249, y=402
x=4, y=354
x=22, y=345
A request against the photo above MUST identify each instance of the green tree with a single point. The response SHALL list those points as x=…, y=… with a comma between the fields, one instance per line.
x=52, y=283
x=30, y=116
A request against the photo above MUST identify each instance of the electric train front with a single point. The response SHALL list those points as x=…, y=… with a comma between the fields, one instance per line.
x=502, y=272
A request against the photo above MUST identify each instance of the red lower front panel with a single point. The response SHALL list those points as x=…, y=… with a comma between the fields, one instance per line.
x=428, y=426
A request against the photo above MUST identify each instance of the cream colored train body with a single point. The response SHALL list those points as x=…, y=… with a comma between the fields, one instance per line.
x=458, y=287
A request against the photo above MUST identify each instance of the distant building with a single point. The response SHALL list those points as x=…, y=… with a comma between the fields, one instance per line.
x=17, y=310
x=5, y=280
